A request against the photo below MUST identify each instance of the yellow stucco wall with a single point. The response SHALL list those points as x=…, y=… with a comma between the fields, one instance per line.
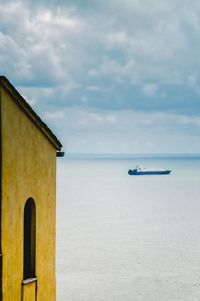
x=28, y=170
x=29, y=291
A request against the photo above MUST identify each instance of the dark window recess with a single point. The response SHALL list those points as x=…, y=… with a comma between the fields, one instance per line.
x=29, y=239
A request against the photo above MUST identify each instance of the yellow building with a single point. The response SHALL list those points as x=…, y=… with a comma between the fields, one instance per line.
x=28, y=152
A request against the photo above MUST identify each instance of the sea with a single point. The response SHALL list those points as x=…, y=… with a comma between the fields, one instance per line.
x=128, y=238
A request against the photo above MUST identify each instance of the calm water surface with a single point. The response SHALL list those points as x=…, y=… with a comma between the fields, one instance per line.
x=128, y=238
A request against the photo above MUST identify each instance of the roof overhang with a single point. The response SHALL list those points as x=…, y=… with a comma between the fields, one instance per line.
x=20, y=101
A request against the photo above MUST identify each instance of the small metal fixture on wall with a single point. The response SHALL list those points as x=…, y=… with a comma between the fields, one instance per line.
x=60, y=154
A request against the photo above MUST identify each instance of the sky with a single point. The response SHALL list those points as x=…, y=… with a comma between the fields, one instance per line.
x=117, y=76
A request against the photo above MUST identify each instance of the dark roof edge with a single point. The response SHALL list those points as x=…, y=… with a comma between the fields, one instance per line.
x=30, y=112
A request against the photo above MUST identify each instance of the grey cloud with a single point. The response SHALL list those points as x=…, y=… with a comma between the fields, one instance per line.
x=127, y=131
x=111, y=97
x=54, y=51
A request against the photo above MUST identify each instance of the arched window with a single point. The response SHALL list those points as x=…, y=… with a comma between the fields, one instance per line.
x=29, y=239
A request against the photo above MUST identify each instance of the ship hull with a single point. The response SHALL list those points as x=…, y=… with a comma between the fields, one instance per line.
x=148, y=172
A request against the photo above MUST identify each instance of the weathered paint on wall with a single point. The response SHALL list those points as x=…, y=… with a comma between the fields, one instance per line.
x=28, y=170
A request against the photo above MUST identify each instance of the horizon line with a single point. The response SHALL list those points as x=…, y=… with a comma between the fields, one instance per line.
x=129, y=155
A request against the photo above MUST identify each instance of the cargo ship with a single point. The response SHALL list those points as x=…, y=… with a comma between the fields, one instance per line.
x=144, y=171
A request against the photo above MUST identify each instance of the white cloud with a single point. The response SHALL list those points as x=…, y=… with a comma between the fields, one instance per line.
x=41, y=41
x=150, y=89
x=70, y=61
x=93, y=88
x=53, y=115
x=128, y=132
x=59, y=44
